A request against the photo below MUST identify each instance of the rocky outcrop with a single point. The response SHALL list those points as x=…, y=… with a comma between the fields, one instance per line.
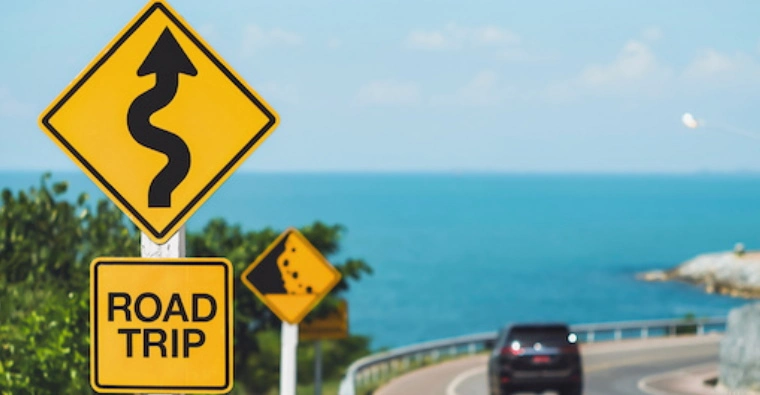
x=734, y=273
x=740, y=351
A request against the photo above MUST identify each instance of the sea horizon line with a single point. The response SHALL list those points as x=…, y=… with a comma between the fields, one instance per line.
x=421, y=172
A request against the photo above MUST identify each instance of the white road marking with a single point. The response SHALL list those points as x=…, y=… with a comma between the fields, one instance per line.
x=451, y=389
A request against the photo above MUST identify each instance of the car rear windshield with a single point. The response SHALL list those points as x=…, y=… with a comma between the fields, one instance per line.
x=550, y=336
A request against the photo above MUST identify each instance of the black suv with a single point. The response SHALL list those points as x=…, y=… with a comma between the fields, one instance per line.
x=535, y=358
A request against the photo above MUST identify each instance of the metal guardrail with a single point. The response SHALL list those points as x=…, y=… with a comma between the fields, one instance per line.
x=377, y=367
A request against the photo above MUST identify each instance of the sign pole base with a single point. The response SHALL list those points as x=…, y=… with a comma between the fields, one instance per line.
x=318, y=367
x=289, y=346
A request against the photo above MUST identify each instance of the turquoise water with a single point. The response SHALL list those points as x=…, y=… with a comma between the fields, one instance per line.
x=457, y=254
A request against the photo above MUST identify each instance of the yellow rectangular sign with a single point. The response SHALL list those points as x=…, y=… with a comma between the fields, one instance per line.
x=161, y=325
x=334, y=326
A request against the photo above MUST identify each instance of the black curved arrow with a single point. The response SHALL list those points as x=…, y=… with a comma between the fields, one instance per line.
x=167, y=61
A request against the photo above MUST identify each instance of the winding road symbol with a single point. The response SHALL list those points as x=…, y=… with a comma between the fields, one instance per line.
x=167, y=61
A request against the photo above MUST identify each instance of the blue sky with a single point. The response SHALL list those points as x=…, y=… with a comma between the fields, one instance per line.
x=513, y=86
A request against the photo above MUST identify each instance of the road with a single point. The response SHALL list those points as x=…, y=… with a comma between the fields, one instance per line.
x=610, y=368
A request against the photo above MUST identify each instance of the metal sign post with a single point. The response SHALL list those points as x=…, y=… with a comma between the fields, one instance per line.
x=289, y=346
x=318, y=367
x=173, y=248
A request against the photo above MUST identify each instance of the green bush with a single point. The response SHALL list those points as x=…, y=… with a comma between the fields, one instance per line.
x=44, y=342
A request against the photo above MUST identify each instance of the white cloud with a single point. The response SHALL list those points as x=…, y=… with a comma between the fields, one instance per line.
x=503, y=44
x=636, y=69
x=483, y=89
x=11, y=107
x=491, y=35
x=254, y=38
x=428, y=40
x=634, y=62
x=651, y=33
x=389, y=92
x=710, y=62
x=453, y=37
x=713, y=69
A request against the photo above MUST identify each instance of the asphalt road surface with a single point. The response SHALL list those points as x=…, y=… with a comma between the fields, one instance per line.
x=613, y=368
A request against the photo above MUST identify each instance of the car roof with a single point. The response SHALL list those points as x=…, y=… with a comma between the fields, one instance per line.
x=536, y=325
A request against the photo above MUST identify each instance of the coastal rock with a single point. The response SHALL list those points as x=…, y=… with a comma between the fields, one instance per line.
x=655, y=275
x=729, y=273
x=740, y=350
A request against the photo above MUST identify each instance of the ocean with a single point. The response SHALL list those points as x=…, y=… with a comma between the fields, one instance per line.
x=455, y=254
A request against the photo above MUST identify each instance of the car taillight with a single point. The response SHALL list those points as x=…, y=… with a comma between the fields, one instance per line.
x=512, y=351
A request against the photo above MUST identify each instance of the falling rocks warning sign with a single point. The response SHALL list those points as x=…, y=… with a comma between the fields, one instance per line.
x=291, y=277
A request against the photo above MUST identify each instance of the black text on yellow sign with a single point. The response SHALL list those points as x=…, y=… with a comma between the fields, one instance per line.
x=161, y=325
x=291, y=277
x=158, y=121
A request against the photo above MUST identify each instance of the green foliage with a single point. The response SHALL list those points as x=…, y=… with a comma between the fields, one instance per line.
x=44, y=237
x=44, y=342
x=46, y=246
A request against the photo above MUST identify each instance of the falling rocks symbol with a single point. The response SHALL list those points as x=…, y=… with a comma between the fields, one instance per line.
x=267, y=276
x=167, y=61
x=276, y=274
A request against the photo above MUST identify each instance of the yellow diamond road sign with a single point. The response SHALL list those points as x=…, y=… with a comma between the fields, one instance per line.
x=161, y=325
x=158, y=121
x=291, y=277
